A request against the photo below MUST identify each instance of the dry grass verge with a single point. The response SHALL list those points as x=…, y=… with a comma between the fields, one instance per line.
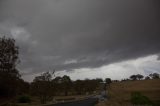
x=120, y=92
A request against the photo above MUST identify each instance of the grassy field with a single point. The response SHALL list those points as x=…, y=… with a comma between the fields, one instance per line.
x=120, y=92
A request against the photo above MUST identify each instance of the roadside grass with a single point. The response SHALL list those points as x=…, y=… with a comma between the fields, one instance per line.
x=120, y=92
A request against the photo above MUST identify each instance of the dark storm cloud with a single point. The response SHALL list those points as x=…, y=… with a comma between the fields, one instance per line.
x=81, y=33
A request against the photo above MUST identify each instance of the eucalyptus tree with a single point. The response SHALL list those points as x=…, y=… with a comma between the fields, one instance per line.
x=9, y=75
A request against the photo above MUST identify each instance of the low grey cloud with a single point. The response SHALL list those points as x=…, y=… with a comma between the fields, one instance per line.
x=81, y=33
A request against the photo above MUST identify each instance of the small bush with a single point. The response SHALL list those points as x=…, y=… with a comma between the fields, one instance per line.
x=138, y=99
x=24, y=99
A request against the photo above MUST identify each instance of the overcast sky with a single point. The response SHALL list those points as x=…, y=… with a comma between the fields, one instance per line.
x=84, y=38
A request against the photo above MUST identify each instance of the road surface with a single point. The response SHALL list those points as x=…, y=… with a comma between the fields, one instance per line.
x=86, y=102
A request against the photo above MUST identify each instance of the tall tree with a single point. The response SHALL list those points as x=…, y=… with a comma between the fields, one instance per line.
x=108, y=80
x=58, y=87
x=139, y=76
x=66, y=81
x=107, y=85
x=133, y=77
x=9, y=75
x=79, y=86
x=42, y=87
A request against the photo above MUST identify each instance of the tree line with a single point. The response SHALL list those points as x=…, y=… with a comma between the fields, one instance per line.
x=141, y=77
x=45, y=87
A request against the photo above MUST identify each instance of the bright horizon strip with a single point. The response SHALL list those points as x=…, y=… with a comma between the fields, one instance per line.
x=115, y=71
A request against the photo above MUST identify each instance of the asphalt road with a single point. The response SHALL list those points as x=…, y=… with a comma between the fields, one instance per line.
x=86, y=102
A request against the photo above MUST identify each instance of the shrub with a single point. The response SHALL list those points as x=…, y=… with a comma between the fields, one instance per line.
x=138, y=99
x=24, y=99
